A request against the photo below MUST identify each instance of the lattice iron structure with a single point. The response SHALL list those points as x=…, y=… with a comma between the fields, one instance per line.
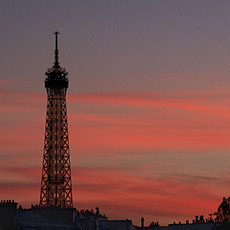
x=56, y=183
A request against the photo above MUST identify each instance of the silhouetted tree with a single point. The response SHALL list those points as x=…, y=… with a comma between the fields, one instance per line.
x=223, y=211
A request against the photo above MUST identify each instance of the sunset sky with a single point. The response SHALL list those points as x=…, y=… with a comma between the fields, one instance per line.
x=148, y=103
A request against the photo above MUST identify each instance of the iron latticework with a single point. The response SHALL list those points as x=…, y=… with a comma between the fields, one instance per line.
x=56, y=184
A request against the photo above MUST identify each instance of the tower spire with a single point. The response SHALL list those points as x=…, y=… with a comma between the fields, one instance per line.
x=56, y=62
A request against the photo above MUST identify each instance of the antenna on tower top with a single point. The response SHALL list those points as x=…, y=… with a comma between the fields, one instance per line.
x=56, y=63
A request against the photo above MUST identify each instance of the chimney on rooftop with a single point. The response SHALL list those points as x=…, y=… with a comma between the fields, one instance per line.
x=142, y=222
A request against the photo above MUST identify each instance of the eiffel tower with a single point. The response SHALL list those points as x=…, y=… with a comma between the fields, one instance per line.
x=56, y=183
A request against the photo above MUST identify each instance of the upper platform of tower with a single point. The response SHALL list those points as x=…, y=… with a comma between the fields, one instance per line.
x=56, y=76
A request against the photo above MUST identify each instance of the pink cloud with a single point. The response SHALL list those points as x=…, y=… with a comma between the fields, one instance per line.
x=157, y=198
x=128, y=124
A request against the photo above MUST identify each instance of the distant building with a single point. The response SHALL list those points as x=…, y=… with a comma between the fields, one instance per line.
x=56, y=218
x=8, y=209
